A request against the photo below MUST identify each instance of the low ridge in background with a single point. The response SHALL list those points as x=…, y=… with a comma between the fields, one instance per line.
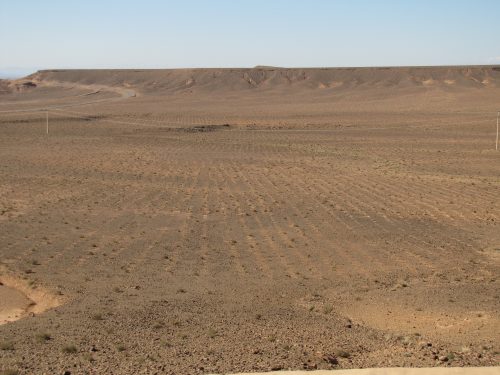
x=271, y=78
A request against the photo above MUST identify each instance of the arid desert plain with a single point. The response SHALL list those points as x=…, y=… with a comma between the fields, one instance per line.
x=228, y=220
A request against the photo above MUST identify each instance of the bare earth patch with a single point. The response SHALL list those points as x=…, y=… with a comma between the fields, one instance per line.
x=18, y=299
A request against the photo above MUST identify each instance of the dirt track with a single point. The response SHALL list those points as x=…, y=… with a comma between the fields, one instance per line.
x=347, y=229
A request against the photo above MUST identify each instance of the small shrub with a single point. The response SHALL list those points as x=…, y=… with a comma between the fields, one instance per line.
x=69, y=349
x=6, y=345
x=121, y=347
x=212, y=333
x=97, y=316
x=88, y=357
x=342, y=354
x=167, y=344
x=43, y=336
x=465, y=349
x=327, y=309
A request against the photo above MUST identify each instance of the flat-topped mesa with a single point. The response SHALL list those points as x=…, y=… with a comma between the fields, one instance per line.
x=289, y=80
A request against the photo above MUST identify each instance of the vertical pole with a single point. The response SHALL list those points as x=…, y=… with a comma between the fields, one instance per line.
x=47, y=118
x=496, y=144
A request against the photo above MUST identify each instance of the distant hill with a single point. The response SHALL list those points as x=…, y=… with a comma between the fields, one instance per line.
x=286, y=80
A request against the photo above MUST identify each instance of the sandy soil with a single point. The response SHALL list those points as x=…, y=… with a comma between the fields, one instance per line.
x=225, y=221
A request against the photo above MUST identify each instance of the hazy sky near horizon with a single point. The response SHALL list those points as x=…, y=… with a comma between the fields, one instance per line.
x=38, y=34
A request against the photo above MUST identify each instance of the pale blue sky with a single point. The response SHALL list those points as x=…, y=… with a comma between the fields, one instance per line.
x=243, y=33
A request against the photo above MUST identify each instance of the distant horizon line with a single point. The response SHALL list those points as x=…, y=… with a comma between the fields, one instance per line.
x=16, y=73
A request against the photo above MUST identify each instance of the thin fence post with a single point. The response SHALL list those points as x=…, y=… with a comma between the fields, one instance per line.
x=496, y=143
